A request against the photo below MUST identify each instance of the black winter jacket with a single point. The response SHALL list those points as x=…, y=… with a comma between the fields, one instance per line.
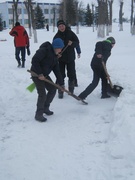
x=104, y=48
x=69, y=53
x=45, y=60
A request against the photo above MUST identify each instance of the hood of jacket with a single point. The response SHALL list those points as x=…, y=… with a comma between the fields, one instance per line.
x=19, y=28
x=46, y=45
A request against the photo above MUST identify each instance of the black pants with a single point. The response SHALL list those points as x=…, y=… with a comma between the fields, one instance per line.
x=70, y=67
x=19, y=50
x=44, y=98
x=97, y=74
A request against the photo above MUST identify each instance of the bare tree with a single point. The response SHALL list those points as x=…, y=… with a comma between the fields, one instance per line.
x=121, y=15
x=77, y=17
x=102, y=17
x=15, y=11
x=54, y=18
x=27, y=5
x=65, y=10
x=110, y=2
x=132, y=17
x=107, y=18
x=33, y=21
x=132, y=13
x=68, y=11
x=93, y=16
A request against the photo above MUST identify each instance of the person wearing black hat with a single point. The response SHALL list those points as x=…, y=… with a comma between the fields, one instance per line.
x=44, y=62
x=21, y=43
x=102, y=53
x=67, y=61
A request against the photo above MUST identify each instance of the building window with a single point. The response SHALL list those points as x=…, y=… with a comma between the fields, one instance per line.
x=52, y=11
x=46, y=21
x=46, y=11
x=25, y=21
x=10, y=21
x=10, y=11
x=20, y=20
x=51, y=21
x=25, y=11
x=19, y=11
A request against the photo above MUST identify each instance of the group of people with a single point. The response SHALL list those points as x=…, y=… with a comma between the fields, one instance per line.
x=59, y=57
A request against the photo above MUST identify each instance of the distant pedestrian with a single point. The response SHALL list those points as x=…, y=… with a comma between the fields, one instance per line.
x=21, y=43
x=44, y=62
x=47, y=27
x=102, y=53
x=67, y=61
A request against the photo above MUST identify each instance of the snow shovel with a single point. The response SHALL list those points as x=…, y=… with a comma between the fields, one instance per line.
x=113, y=90
x=32, y=86
x=57, y=86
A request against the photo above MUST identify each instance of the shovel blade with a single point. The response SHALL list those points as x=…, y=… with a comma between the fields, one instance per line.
x=31, y=87
x=115, y=91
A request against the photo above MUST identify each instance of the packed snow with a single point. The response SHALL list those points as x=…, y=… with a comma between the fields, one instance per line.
x=79, y=142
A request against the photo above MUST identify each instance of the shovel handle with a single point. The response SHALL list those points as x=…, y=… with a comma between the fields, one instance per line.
x=46, y=80
x=64, y=49
x=107, y=75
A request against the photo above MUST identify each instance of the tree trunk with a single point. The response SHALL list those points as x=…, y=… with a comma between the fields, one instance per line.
x=120, y=16
x=33, y=23
x=13, y=23
x=110, y=15
x=27, y=5
x=101, y=18
x=77, y=19
x=132, y=20
x=106, y=18
x=133, y=27
x=64, y=10
x=93, y=17
x=101, y=31
x=16, y=15
x=54, y=18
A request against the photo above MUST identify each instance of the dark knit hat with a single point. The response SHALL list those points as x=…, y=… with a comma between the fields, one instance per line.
x=57, y=43
x=17, y=24
x=111, y=39
x=60, y=22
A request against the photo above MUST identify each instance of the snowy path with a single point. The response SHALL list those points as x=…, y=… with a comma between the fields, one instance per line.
x=74, y=138
x=79, y=142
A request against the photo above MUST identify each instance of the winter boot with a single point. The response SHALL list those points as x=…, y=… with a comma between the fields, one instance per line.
x=105, y=96
x=71, y=86
x=76, y=83
x=40, y=118
x=23, y=64
x=48, y=112
x=19, y=63
x=60, y=94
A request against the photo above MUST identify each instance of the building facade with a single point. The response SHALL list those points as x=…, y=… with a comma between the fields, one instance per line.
x=6, y=11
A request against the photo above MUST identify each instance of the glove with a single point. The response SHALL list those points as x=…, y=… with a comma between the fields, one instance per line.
x=28, y=51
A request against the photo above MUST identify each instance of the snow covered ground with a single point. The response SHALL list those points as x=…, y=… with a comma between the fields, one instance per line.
x=79, y=142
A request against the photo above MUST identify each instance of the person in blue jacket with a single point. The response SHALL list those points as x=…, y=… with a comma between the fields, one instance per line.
x=44, y=62
x=102, y=53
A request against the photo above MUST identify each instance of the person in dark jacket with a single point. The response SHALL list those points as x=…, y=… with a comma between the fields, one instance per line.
x=44, y=61
x=21, y=42
x=102, y=53
x=67, y=61
x=47, y=27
